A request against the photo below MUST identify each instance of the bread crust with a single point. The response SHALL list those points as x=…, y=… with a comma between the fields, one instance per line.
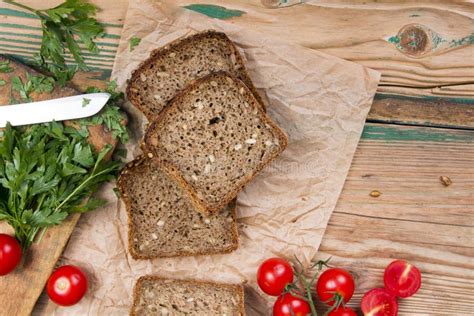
x=159, y=52
x=204, y=208
x=235, y=287
x=128, y=168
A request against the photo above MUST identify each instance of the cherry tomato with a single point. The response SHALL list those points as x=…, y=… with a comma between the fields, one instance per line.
x=10, y=254
x=379, y=302
x=402, y=279
x=67, y=285
x=273, y=275
x=342, y=311
x=334, y=283
x=288, y=305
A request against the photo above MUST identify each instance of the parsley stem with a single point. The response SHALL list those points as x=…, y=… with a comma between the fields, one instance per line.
x=20, y=5
x=90, y=178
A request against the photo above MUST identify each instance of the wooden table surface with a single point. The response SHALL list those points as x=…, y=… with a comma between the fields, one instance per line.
x=421, y=127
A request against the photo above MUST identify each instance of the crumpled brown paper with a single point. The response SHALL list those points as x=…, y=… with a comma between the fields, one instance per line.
x=319, y=100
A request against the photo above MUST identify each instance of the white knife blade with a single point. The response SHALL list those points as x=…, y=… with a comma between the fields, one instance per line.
x=68, y=108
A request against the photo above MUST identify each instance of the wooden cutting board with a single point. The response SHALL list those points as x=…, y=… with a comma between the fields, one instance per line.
x=20, y=290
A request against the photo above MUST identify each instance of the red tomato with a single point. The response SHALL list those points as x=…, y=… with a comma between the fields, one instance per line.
x=273, y=275
x=289, y=305
x=379, y=302
x=334, y=283
x=402, y=279
x=10, y=254
x=342, y=311
x=67, y=285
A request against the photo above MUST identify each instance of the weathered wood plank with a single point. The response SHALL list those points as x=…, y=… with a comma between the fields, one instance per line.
x=416, y=218
x=426, y=111
x=422, y=45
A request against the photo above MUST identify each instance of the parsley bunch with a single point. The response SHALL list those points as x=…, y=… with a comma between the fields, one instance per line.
x=47, y=172
x=72, y=26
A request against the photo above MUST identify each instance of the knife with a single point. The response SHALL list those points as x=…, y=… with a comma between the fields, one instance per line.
x=68, y=108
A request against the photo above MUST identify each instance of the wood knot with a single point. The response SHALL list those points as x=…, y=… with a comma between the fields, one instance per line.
x=414, y=40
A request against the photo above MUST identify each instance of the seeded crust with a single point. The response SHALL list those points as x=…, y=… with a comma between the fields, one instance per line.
x=178, y=64
x=215, y=137
x=153, y=295
x=162, y=220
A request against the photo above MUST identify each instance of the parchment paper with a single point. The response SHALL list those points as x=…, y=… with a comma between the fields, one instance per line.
x=319, y=100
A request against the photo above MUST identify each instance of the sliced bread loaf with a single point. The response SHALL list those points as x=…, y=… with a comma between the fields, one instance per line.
x=156, y=296
x=216, y=137
x=162, y=219
x=171, y=68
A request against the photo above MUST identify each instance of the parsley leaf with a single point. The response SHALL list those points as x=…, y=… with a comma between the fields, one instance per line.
x=39, y=84
x=4, y=66
x=2, y=82
x=70, y=26
x=46, y=173
x=85, y=102
x=134, y=42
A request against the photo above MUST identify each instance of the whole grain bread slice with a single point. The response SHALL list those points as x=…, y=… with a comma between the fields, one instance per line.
x=162, y=220
x=216, y=137
x=158, y=296
x=171, y=68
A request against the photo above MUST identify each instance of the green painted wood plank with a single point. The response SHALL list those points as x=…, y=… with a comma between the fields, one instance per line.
x=391, y=133
x=27, y=15
x=37, y=36
x=4, y=39
x=36, y=48
x=90, y=64
x=105, y=73
x=382, y=96
x=214, y=11
x=32, y=50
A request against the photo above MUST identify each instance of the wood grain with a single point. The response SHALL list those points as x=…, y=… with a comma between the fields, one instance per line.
x=370, y=34
x=416, y=218
x=425, y=111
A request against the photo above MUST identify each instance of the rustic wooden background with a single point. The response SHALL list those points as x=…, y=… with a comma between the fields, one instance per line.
x=421, y=127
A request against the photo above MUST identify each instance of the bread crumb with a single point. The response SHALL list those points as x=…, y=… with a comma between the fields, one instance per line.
x=142, y=77
x=241, y=90
x=160, y=223
x=189, y=300
x=185, y=127
x=207, y=168
x=213, y=83
x=154, y=236
x=254, y=135
x=194, y=177
x=150, y=155
x=229, y=80
x=196, y=226
x=375, y=193
x=246, y=104
x=207, y=221
x=157, y=97
x=251, y=141
x=211, y=158
x=446, y=181
x=229, y=219
x=268, y=143
x=238, y=147
x=172, y=55
x=164, y=311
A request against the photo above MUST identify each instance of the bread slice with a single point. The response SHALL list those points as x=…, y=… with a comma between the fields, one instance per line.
x=156, y=296
x=162, y=219
x=216, y=137
x=171, y=68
